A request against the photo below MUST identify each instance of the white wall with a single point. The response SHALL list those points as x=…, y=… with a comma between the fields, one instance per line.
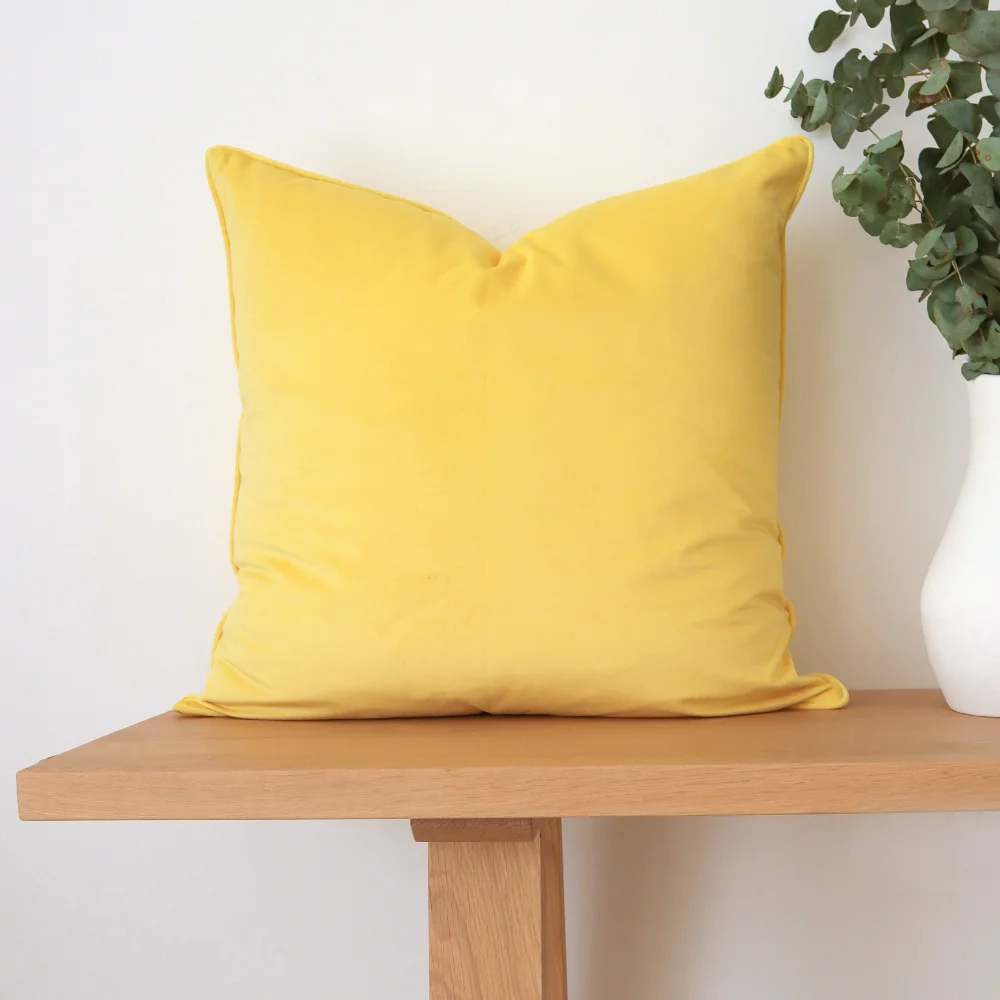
x=119, y=413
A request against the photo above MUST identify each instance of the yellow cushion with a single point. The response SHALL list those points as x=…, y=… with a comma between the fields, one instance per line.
x=535, y=481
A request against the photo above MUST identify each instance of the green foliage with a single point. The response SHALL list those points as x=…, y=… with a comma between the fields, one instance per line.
x=940, y=55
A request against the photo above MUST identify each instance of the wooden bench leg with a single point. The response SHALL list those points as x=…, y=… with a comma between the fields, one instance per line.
x=495, y=888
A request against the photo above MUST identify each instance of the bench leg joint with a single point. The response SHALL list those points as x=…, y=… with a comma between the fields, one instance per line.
x=495, y=894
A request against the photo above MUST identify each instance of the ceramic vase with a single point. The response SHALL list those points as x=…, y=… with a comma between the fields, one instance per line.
x=960, y=603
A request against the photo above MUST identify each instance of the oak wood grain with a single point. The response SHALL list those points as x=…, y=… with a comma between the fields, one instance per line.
x=495, y=920
x=890, y=751
x=470, y=830
x=554, y=981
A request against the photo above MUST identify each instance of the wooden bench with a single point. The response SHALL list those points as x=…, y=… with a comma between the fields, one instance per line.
x=487, y=795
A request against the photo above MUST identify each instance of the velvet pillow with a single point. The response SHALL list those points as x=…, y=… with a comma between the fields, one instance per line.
x=541, y=480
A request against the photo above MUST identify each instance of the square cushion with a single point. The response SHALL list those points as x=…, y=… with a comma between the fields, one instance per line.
x=541, y=480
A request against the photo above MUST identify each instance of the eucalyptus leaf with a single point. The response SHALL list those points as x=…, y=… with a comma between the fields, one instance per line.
x=887, y=62
x=988, y=151
x=868, y=120
x=842, y=181
x=801, y=102
x=957, y=333
x=843, y=66
x=883, y=144
x=929, y=242
x=874, y=185
x=967, y=241
x=852, y=198
x=973, y=369
x=968, y=326
x=993, y=339
x=947, y=315
x=981, y=35
x=918, y=56
x=954, y=325
x=820, y=107
x=906, y=21
x=990, y=214
x=938, y=79
x=953, y=153
x=776, y=85
x=962, y=115
x=948, y=21
x=976, y=346
x=942, y=131
x=873, y=11
x=828, y=28
x=795, y=87
x=854, y=66
x=842, y=127
x=980, y=191
x=988, y=109
x=901, y=200
x=987, y=286
x=966, y=79
x=918, y=279
x=969, y=299
x=898, y=234
x=946, y=249
x=944, y=291
x=872, y=220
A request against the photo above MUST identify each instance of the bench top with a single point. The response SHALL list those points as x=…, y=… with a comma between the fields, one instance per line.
x=890, y=751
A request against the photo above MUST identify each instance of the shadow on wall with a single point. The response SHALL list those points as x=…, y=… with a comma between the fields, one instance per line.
x=782, y=908
x=645, y=914
x=874, y=446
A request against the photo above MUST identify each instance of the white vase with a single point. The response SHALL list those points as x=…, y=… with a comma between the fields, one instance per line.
x=960, y=603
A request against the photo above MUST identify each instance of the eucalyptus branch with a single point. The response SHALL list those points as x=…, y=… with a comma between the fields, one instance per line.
x=945, y=47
